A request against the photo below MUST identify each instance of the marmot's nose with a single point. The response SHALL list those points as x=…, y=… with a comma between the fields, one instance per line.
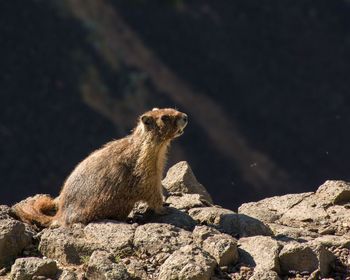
x=185, y=118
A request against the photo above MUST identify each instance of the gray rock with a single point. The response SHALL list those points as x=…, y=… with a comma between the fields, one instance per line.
x=306, y=257
x=261, y=274
x=172, y=216
x=27, y=268
x=102, y=266
x=249, y=226
x=72, y=245
x=272, y=208
x=222, y=247
x=286, y=233
x=338, y=222
x=326, y=260
x=333, y=240
x=200, y=233
x=112, y=236
x=229, y=222
x=67, y=245
x=306, y=215
x=223, y=219
x=308, y=210
x=136, y=268
x=156, y=238
x=68, y=275
x=299, y=257
x=6, y=212
x=185, y=201
x=334, y=192
x=13, y=239
x=190, y=263
x=260, y=251
x=180, y=178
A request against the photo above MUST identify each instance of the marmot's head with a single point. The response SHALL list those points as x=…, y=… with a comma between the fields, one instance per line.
x=164, y=124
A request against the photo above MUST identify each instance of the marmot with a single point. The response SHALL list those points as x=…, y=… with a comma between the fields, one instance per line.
x=108, y=183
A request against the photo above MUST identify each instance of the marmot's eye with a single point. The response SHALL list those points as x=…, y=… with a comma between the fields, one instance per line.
x=165, y=118
x=146, y=120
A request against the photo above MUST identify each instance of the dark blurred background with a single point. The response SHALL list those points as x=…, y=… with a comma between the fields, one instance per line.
x=265, y=84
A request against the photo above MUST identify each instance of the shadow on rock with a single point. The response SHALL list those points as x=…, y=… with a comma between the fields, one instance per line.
x=173, y=217
x=249, y=226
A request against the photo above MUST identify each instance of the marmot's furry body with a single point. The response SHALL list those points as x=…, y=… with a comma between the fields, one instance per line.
x=108, y=183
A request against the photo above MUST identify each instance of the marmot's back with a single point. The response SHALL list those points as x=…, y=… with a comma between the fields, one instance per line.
x=99, y=183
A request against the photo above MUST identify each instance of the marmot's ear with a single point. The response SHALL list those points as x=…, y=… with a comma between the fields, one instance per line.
x=146, y=120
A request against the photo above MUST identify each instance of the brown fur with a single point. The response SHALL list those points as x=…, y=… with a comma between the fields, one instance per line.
x=108, y=183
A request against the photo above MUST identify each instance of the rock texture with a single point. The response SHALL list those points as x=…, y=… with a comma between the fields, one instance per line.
x=103, y=266
x=295, y=236
x=312, y=229
x=180, y=178
x=261, y=252
x=29, y=268
x=13, y=239
x=190, y=263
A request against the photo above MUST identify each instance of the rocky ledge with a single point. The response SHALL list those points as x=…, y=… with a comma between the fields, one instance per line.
x=295, y=236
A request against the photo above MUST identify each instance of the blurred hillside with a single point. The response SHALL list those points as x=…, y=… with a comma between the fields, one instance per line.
x=265, y=86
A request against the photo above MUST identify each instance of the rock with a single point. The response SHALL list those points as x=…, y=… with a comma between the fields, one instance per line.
x=223, y=219
x=326, y=259
x=264, y=275
x=249, y=226
x=243, y=272
x=334, y=192
x=13, y=239
x=180, y=178
x=310, y=230
x=67, y=245
x=190, y=263
x=306, y=215
x=72, y=245
x=102, y=266
x=185, y=201
x=172, y=216
x=68, y=275
x=272, y=208
x=200, y=233
x=113, y=236
x=135, y=268
x=333, y=240
x=338, y=222
x=222, y=247
x=229, y=222
x=6, y=212
x=27, y=268
x=299, y=257
x=306, y=257
x=308, y=210
x=156, y=238
x=260, y=251
x=286, y=233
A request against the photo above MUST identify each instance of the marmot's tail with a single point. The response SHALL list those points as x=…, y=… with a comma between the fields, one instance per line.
x=39, y=210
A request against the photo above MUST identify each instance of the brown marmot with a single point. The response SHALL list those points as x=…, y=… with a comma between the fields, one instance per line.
x=108, y=183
